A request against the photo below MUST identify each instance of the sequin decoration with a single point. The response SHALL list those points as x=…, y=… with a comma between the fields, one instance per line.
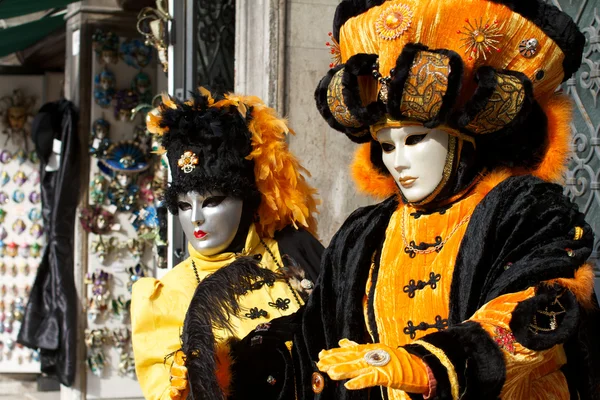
x=394, y=21
x=505, y=339
x=187, y=162
x=480, y=39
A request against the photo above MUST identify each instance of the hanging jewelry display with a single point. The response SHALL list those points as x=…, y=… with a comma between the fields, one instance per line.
x=104, y=89
x=135, y=53
x=120, y=308
x=104, y=248
x=98, y=188
x=135, y=273
x=95, y=339
x=100, y=140
x=106, y=46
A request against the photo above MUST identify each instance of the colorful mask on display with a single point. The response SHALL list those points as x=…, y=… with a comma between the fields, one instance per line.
x=104, y=248
x=104, y=89
x=135, y=273
x=100, y=140
x=4, y=178
x=34, y=197
x=36, y=230
x=21, y=156
x=3, y=233
x=20, y=178
x=135, y=53
x=19, y=226
x=4, y=198
x=33, y=157
x=142, y=85
x=34, y=215
x=12, y=249
x=16, y=110
x=98, y=187
x=24, y=250
x=18, y=196
x=97, y=220
x=127, y=100
x=106, y=46
x=5, y=156
x=2, y=214
x=35, y=250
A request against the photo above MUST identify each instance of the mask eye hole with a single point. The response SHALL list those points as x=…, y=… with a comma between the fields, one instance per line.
x=183, y=206
x=414, y=139
x=387, y=147
x=213, y=201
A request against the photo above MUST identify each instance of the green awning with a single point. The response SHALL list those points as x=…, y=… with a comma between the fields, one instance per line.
x=16, y=8
x=22, y=36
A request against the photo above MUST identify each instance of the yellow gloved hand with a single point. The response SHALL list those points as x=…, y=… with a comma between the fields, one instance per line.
x=179, y=383
x=368, y=365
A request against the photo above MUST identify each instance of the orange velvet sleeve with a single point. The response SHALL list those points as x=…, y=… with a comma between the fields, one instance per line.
x=529, y=373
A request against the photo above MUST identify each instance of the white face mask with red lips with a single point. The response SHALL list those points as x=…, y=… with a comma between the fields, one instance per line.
x=210, y=222
x=415, y=156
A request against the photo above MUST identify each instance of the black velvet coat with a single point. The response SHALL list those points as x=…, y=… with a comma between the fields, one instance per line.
x=50, y=320
x=523, y=220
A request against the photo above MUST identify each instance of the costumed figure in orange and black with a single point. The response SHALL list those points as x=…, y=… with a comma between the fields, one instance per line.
x=469, y=281
x=238, y=193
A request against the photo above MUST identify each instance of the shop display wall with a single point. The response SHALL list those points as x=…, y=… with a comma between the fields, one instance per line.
x=21, y=227
x=122, y=218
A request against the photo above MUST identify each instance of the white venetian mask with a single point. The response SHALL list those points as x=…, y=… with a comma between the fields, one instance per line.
x=415, y=156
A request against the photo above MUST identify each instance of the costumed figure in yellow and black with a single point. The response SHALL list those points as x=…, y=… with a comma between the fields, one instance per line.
x=470, y=279
x=241, y=197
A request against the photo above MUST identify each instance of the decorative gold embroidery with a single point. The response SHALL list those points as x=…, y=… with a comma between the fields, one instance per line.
x=550, y=314
x=335, y=101
x=502, y=107
x=394, y=21
x=425, y=86
x=480, y=39
x=578, y=233
x=445, y=361
x=188, y=161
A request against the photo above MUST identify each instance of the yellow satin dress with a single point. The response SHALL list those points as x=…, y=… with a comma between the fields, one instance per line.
x=158, y=309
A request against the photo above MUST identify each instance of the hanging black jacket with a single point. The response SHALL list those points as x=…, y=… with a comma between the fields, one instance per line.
x=50, y=320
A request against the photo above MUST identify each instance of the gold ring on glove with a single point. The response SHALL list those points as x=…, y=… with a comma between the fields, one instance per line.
x=377, y=358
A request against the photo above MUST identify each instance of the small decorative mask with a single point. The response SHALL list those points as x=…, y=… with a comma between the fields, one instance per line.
x=4, y=178
x=127, y=100
x=106, y=46
x=19, y=226
x=135, y=53
x=142, y=85
x=97, y=220
x=104, y=89
x=100, y=138
x=20, y=178
x=18, y=196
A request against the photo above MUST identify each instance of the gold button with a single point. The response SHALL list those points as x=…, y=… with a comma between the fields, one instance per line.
x=318, y=382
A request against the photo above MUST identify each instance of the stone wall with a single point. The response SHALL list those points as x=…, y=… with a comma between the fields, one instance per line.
x=324, y=152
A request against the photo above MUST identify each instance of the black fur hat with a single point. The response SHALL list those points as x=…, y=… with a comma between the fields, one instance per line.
x=207, y=148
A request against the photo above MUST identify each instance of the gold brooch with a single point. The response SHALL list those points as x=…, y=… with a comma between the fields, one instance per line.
x=394, y=21
x=188, y=161
x=479, y=39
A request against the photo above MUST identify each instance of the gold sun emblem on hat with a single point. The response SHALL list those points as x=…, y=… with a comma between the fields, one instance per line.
x=187, y=162
x=394, y=21
x=481, y=39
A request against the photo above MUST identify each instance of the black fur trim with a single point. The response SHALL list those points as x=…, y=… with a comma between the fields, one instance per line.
x=453, y=90
x=360, y=65
x=348, y=9
x=485, y=77
x=443, y=388
x=220, y=139
x=376, y=157
x=214, y=302
x=524, y=313
x=559, y=26
x=358, y=135
x=477, y=360
x=403, y=65
x=521, y=143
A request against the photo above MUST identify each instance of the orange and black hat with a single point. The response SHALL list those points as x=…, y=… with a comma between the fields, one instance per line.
x=486, y=69
x=235, y=145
